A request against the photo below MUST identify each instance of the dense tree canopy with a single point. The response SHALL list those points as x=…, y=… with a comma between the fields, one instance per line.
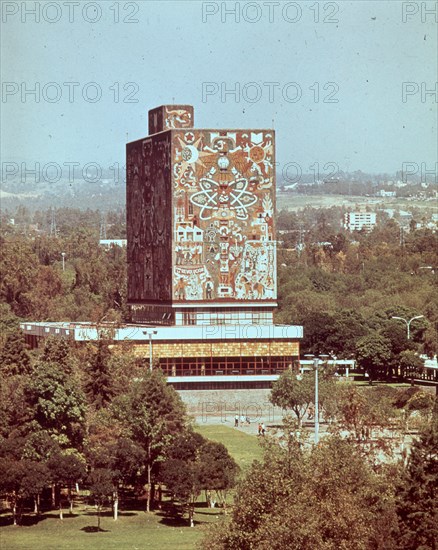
x=324, y=498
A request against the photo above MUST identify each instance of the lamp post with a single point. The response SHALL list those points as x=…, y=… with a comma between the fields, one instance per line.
x=408, y=323
x=63, y=261
x=316, y=361
x=150, y=333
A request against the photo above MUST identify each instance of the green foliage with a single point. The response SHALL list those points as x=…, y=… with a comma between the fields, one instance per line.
x=21, y=479
x=373, y=353
x=154, y=415
x=297, y=392
x=98, y=384
x=324, y=498
x=410, y=363
x=57, y=351
x=66, y=468
x=8, y=322
x=57, y=404
x=218, y=469
x=14, y=358
x=101, y=488
x=195, y=464
x=417, y=497
x=14, y=409
x=181, y=472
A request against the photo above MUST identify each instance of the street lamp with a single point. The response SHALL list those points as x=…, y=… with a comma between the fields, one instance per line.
x=63, y=261
x=408, y=323
x=316, y=361
x=150, y=333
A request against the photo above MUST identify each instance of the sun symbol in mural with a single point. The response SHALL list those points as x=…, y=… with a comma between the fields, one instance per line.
x=213, y=197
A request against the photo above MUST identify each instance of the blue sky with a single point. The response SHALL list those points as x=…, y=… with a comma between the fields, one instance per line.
x=358, y=58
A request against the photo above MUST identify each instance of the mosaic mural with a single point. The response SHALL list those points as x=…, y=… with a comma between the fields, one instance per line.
x=223, y=190
x=169, y=117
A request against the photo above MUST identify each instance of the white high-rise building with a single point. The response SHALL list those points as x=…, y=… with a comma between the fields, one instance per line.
x=356, y=221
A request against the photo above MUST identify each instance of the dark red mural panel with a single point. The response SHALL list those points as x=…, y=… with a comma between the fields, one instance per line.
x=149, y=219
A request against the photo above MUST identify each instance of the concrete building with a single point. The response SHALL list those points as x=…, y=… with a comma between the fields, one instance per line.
x=356, y=221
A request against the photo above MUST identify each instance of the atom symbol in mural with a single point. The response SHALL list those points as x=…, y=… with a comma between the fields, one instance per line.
x=214, y=197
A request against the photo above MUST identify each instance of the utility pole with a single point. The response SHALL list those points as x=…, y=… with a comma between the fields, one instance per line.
x=408, y=323
x=316, y=363
x=103, y=227
x=53, y=229
x=150, y=333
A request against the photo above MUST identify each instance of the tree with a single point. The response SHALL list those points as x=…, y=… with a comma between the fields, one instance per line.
x=21, y=479
x=98, y=384
x=326, y=497
x=101, y=488
x=57, y=351
x=297, y=392
x=15, y=412
x=108, y=447
x=362, y=411
x=57, y=405
x=181, y=472
x=218, y=470
x=8, y=322
x=66, y=469
x=289, y=392
x=417, y=495
x=372, y=353
x=411, y=364
x=14, y=357
x=154, y=415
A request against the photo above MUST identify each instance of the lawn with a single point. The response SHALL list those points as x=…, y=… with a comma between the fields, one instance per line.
x=243, y=448
x=135, y=530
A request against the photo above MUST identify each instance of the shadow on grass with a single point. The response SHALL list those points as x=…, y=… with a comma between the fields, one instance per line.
x=213, y=512
x=94, y=529
x=108, y=514
x=29, y=520
x=179, y=522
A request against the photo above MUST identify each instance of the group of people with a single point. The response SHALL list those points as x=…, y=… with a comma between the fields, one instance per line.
x=242, y=421
x=245, y=421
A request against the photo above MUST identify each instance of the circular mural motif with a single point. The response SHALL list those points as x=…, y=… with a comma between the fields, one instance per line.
x=190, y=154
x=257, y=154
x=235, y=196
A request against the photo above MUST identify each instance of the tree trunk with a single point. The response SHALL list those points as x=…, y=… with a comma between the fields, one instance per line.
x=53, y=495
x=148, y=495
x=61, y=516
x=160, y=496
x=70, y=499
x=14, y=511
x=116, y=504
x=98, y=517
x=36, y=503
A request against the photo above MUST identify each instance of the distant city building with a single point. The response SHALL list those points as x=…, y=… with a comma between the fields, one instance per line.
x=357, y=221
x=383, y=193
x=108, y=243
